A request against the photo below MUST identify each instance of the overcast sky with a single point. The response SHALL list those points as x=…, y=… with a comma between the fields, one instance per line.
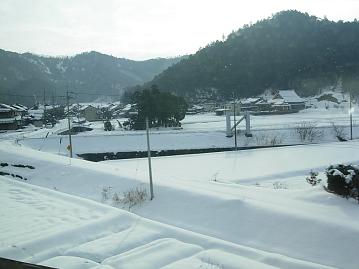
x=140, y=29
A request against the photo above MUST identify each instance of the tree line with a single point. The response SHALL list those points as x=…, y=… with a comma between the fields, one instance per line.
x=288, y=50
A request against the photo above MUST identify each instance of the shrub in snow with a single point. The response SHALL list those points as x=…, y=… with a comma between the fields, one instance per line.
x=313, y=178
x=268, y=139
x=210, y=264
x=134, y=197
x=308, y=131
x=129, y=199
x=339, y=132
x=105, y=193
x=115, y=199
x=108, y=126
x=343, y=180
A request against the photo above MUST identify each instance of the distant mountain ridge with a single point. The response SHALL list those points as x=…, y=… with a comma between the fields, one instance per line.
x=288, y=50
x=91, y=73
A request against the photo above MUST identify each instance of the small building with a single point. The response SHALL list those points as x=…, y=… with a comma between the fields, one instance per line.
x=290, y=97
x=129, y=110
x=36, y=115
x=264, y=106
x=280, y=106
x=195, y=109
x=250, y=104
x=221, y=111
x=90, y=113
x=9, y=119
x=20, y=110
x=209, y=106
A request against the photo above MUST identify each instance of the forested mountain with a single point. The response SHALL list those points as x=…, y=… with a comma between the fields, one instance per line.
x=288, y=50
x=91, y=73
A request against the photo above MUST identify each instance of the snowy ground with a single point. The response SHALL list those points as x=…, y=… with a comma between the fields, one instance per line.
x=63, y=231
x=245, y=209
x=249, y=167
x=224, y=210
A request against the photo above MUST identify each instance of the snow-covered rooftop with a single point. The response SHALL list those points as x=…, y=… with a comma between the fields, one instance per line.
x=289, y=96
x=251, y=100
x=5, y=108
x=19, y=108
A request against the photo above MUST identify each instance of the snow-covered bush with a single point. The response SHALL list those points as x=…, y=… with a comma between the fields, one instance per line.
x=268, y=139
x=116, y=199
x=210, y=264
x=108, y=126
x=343, y=180
x=339, y=132
x=308, y=131
x=134, y=197
x=313, y=178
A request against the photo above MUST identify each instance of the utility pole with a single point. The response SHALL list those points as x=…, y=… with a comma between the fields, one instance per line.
x=235, y=125
x=53, y=98
x=45, y=109
x=351, y=116
x=149, y=157
x=44, y=98
x=68, y=121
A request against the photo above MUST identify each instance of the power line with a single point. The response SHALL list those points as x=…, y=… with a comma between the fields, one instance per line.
x=63, y=96
x=96, y=94
x=28, y=96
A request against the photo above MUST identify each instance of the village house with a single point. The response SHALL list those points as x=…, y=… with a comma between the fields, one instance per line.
x=89, y=112
x=250, y=104
x=129, y=110
x=9, y=118
x=36, y=114
x=290, y=98
x=195, y=109
x=208, y=106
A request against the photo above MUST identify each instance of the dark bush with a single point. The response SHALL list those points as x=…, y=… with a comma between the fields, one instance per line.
x=343, y=180
x=108, y=126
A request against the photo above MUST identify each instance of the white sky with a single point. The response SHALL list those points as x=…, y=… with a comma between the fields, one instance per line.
x=140, y=29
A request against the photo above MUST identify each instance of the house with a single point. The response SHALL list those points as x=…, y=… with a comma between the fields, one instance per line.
x=9, y=118
x=36, y=115
x=129, y=110
x=280, y=106
x=195, y=109
x=221, y=111
x=264, y=106
x=90, y=113
x=250, y=104
x=115, y=108
x=208, y=106
x=291, y=98
x=20, y=110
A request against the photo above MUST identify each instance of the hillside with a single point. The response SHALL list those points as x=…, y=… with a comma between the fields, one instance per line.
x=92, y=73
x=289, y=49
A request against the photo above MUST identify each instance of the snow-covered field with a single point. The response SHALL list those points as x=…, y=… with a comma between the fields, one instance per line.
x=199, y=131
x=245, y=209
x=64, y=231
